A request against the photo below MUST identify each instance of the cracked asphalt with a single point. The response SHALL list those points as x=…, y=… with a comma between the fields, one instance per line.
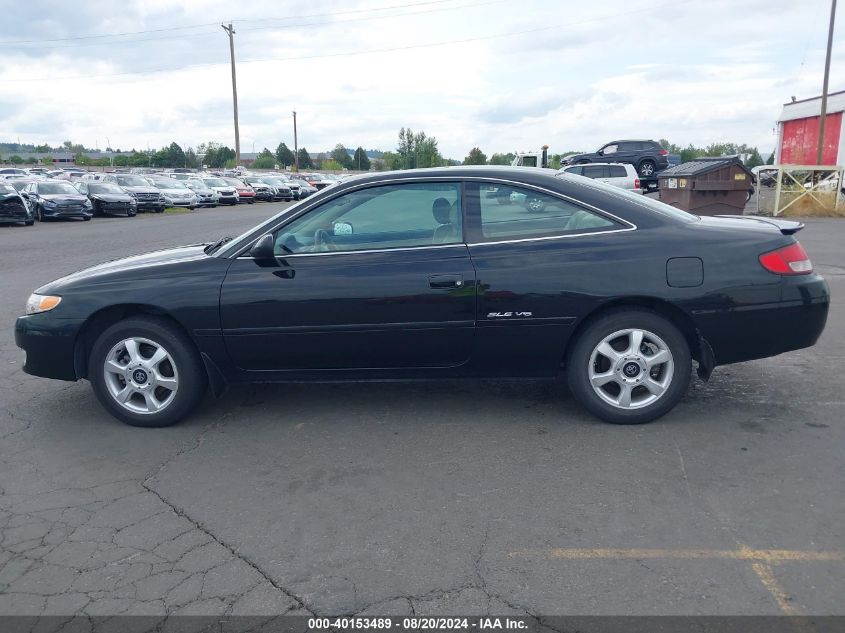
x=415, y=498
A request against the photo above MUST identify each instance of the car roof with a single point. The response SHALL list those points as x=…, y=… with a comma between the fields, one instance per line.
x=626, y=165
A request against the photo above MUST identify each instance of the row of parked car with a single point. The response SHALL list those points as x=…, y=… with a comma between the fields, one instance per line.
x=39, y=194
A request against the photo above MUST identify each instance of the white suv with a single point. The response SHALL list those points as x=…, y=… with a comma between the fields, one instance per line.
x=620, y=175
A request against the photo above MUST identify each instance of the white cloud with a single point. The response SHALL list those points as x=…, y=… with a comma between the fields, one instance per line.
x=690, y=72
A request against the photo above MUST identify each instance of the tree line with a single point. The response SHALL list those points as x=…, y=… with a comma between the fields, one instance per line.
x=413, y=150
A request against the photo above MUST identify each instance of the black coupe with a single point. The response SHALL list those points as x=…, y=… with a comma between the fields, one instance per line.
x=425, y=274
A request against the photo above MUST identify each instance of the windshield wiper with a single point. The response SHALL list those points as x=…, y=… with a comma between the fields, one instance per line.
x=215, y=245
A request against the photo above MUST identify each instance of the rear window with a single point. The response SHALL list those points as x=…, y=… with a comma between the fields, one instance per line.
x=645, y=202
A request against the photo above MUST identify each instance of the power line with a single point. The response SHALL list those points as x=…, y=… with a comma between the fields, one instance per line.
x=206, y=24
x=265, y=28
x=343, y=53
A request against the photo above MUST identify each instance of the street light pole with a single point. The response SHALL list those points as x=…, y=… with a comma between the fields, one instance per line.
x=825, y=82
x=231, y=32
x=295, y=144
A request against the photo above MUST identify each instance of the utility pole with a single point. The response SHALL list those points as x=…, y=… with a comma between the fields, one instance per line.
x=231, y=33
x=825, y=82
x=295, y=144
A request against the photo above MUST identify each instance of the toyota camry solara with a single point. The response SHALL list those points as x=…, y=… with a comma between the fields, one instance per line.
x=439, y=273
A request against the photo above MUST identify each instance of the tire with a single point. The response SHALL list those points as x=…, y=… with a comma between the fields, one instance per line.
x=131, y=214
x=29, y=222
x=647, y=168
x=534, y=204
x=181, y=368
x=39, y=216
x=651, y=392
x=160, y=210
x=86, y=218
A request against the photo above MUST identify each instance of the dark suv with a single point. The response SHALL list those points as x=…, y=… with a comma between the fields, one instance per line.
x=648, y=157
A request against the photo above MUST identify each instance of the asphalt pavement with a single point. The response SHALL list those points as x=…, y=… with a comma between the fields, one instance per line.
x=457, y=497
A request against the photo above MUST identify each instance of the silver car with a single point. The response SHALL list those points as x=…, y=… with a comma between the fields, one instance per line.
x=206, y=196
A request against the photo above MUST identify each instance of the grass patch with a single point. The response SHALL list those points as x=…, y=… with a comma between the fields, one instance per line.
x=176, y=210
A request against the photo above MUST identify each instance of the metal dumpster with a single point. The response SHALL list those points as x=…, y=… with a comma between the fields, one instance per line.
x=707, y=186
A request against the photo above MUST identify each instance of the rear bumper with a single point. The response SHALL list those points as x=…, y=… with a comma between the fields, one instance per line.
x=794, y=322
x=49, y=345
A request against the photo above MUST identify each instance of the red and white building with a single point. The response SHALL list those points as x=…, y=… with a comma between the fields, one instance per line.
x=798, y=131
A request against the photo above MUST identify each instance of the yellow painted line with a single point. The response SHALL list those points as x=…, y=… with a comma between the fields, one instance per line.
x=744, y=553
x=767, y=577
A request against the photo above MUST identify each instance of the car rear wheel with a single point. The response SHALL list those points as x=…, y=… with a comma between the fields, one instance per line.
x=647, y=168
x=146, y=372
x=629, y=367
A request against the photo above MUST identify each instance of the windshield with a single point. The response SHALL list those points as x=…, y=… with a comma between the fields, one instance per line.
x=168, y=183
x=215, y=182
x=131, y=181
x=104, y=187
x=234, y=182
x=51, y=188
x=196, y=184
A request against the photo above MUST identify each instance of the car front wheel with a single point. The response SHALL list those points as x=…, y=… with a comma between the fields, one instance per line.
x=629, y=367
x=146, y=372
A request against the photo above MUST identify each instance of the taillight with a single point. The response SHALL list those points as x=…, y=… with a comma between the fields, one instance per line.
x=636, y=183
x=789, y=260
x=664, y=152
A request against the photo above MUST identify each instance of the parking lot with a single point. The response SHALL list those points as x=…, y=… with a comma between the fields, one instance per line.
x=464, y=498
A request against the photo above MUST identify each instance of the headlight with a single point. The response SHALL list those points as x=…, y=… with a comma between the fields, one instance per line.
x=41, y=303
x=131, y=193
x=48, y=203
x=87, y=204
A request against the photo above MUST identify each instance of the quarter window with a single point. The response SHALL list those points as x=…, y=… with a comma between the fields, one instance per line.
x=391, y=216
x=518, y=213
x=618, y=171
x=595, y=171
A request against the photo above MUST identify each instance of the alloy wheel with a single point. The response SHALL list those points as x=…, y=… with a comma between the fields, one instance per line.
x=631, y=368
x=141, y=375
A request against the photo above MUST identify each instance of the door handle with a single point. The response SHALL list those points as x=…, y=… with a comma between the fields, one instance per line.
x=446, y=281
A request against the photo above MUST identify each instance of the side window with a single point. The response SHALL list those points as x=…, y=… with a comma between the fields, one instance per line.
x=517, y=213
x=610, y=149
x=391, y=216
x=618, y=171
x=595, y=171
x=578, y=170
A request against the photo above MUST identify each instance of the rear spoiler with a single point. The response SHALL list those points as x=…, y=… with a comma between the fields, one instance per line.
x=787, y=227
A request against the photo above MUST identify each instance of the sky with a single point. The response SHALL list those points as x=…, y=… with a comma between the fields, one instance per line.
x=503, y=75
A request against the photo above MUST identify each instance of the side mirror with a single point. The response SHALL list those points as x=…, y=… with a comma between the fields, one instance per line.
x=263, y=249
x=24, y=194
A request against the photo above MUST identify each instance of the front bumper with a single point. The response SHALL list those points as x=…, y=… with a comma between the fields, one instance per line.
x=149, y=204
x=57, y=212
x=180, y=202
x=49, y=344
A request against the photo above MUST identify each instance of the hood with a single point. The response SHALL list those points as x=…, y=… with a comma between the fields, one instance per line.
x=140, y=189
x=139, y=264
x=178, y=193
x=55, y=197
x=219, y=188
